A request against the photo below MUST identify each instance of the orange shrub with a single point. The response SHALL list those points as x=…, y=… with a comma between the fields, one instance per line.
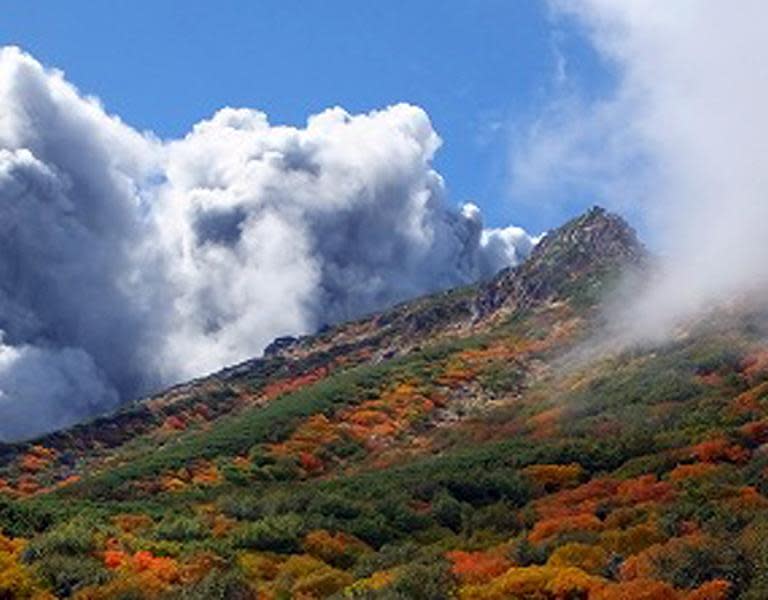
x=222, y=525
x=241, y=462
x=139, y=575
x=114, y=559
x=545, y=424
x=645, y=488
x=170, y=483
x=717, y=589
x=310, y=463
x=312, y=434
x=457, y=373
x=582, y=499
x=28, y=485
x=393, y=411
x=71, y=479
x=748, y=498
x=36, y=459
x=755, y=432
x=202, y=411
x=205, y=473
x=644, y=565
x=32, y=463
x=175, y=423
x=477, y=567
x=546, y=529
x=692, y=471
x=163, y=568
x=755, y=363
x=719, y=449
x=286, y=386
x=129, y=523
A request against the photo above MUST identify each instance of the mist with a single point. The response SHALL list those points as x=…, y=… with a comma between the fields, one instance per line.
x=679, y=144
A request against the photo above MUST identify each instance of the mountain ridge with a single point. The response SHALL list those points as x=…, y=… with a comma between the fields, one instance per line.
x=597, y=239
x=437, y=449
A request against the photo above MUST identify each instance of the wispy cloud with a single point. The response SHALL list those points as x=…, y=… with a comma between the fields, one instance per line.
x=681, y=140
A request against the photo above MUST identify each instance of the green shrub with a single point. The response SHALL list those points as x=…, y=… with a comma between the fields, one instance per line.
x=280, y=534
x=70, y=538
x=448, y=512
x=181, y=529
x=22, y=520
x=424, y=581
x=218, y=585
x=374, y=530
x=65, y=574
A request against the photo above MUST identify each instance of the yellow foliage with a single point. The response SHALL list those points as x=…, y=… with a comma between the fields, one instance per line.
x=303, y=576
x=591, y=559
x=260, y=567
x=639, y=589
x=130, y=523
x=332, y=547
x=631, y=540
x=378, y=581
x=551, y=478
x=534, y=582
x=17, y=582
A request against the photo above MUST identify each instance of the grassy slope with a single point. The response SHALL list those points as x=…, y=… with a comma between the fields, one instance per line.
x=477, y=466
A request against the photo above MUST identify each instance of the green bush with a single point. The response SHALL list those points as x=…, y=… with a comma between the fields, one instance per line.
x=448, y=512
x=218, y=585
x=374, y=530
x=65, y=574
x=22, y=520
x=280, y=534
x=242, y=507
x=180, y=529
x=424, y=581
x=70, y=538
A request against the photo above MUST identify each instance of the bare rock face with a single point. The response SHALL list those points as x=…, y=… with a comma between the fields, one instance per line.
x=566, y=262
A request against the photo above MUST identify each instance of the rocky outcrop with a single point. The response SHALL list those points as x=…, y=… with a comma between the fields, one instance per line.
x=585, y=248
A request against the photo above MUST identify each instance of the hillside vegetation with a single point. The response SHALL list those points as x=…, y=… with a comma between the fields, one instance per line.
x=456, y=446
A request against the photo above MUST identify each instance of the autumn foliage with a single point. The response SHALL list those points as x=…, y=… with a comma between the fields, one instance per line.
x=477, y=567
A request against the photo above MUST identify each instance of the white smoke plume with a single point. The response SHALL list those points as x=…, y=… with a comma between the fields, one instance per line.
x=127, y=262
x=682, y=141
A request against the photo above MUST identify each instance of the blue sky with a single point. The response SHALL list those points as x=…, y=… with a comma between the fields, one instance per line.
x=481, y=70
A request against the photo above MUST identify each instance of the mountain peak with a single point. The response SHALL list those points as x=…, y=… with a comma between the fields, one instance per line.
x=568, y=259
x=595, y=236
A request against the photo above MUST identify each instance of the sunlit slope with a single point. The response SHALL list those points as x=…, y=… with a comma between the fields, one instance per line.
x=460, y=445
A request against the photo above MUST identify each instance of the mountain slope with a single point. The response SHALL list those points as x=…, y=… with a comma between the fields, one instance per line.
x=446, y=447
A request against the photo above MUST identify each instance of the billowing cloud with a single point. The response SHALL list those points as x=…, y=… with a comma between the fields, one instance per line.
x=49, y=388
x=681, y=139
x=127, y=262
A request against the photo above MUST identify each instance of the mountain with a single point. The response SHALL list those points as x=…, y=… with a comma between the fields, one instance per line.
x=458, y=445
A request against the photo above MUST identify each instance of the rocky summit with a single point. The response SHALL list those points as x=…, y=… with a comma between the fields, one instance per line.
x=444, y=448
